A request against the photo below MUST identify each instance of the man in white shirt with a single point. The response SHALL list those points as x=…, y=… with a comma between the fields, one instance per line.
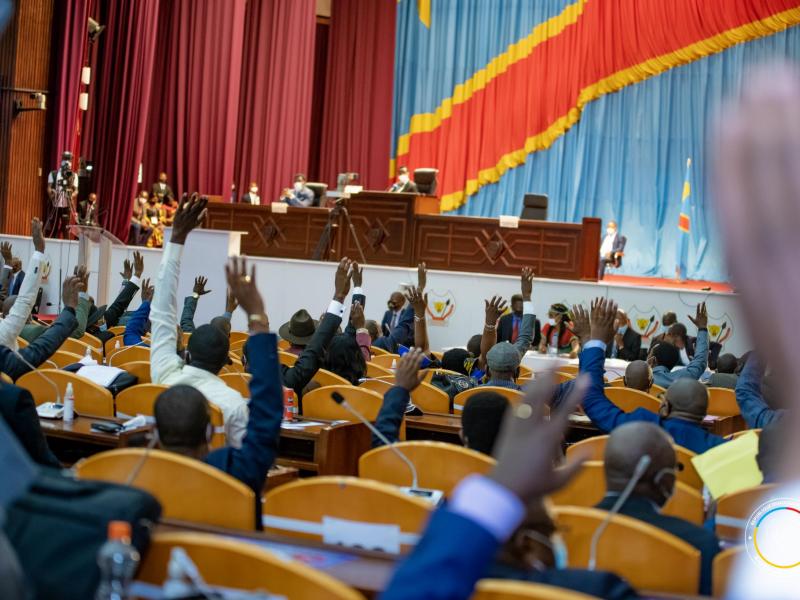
x=611, y=248
x=12, y=324
x=252, y=197
x=207, y=352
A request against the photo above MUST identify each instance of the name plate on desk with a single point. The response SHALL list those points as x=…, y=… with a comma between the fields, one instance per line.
x=509, y=222
x=279, y=207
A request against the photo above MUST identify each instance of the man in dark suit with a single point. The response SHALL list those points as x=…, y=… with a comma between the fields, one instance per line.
x=87, y=210
x=391, y=318
x=16, y=277
x=252, y=197
x=18, y=410
x=161, y=188
x=625, y=448
x=627, y=343
x=509, y=325
x=404, y=183
x=611, y=249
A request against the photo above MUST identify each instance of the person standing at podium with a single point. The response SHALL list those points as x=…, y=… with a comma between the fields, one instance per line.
x=300, y=194
x=252, y=197
x=404, y=183
x=161, y=188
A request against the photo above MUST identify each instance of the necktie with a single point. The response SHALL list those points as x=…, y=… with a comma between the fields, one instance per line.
x=514, y=330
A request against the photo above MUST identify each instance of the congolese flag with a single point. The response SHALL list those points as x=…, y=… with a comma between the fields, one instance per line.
x=684, y=225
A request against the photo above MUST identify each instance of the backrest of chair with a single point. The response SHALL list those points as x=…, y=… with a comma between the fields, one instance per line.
x=299, y=508
x=93, y=341
x=235, y=366
x=425, y=178
x=62, y=358
x=722, y=402
x=657, y=390
x=139, y=399
x=318, y=404
x=284, y=344
x=90, y=398
x=22, y=342
x=112, y=344
x=234, y=564
x=117, y=329
x=375, y=351
x=5, y=378
x=593, y=448
x=219, y=439
x=513, y=396
x=630, y=548
x=385, y=360
x=561, y=377
x=379, y=386
x=187, y=489
x=238, y=336
x=688, y=474
x=526, y=372
x=138, y=368
x=628, y=399
x=506, y=589
x=238, y=381
x=319, y=189
x=619, y=382
x=686, y=503
x=325, y=377
x=430, y=398
x=439, y=465
x=287, y=358
x=431, y=372
x=734, y=509
x=238, y=345
x=569, y=369
x=722, y=567
x=128, y=354
x=375, y=370
x=79, y=347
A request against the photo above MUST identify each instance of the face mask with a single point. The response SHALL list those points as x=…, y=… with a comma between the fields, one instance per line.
x=611, y=231
x=622, y=329
x=403, y=179
x=298, y=186
x=662, y=330
x=103, y=327
x=253, y=190
x=551, y=322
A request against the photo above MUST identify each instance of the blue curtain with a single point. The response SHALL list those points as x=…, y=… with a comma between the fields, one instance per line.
x=626, y=158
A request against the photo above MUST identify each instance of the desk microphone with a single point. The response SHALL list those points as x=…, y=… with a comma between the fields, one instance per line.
x=433, y=496
x=641, y=467
x=124, y=348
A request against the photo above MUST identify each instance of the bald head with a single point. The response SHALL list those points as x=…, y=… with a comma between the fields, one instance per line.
x=687, y=399
x=626, y=446
x=638, y=376
x=396, y=301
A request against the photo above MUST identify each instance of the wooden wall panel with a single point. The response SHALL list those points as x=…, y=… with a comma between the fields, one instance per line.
x=24, y=63
x=384, y=224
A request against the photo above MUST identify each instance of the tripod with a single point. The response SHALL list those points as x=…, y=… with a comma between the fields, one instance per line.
x=323, y=249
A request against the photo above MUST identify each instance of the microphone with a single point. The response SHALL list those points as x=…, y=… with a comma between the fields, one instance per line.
x=641, y=467
x=433, y=496
x=124, y=348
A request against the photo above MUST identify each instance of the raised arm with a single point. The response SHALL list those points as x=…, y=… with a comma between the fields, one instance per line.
x=358, y=296
x=15, y=320
x=755, y=411
x=395, y=401
x=492, y=310
x=136, y=325
x=697, y=366
x=129, y=288
x=82, y=310
x=163, y=359
x=525, y=337
x=419, y=302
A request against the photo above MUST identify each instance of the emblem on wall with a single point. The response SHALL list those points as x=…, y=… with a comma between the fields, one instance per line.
x=441, y=306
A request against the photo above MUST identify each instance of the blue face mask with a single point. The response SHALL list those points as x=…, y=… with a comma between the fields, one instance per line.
x=622, y=330
x=103, y=327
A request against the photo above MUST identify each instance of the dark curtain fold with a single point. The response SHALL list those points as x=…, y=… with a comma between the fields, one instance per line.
x=121, y=98
x=191, y=128
x=356, y=133
x=275, y=102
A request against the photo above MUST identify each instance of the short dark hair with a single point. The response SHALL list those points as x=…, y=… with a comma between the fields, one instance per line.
x=474, y=345
x=345, y=358
x=299, y=176
x=453, y=360
x=208, y=348
x=727, y=363
x=223, y=324
x=182, y=417
x=402, y=170
x=666, y=355
x=481, y=420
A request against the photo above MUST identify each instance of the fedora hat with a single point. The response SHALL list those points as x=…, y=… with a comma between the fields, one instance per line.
x=299, y=329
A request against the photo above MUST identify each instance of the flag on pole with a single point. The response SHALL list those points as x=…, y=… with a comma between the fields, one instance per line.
x=684, y=226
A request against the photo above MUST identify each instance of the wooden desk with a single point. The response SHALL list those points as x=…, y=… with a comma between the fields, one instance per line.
x=438, y=427
x=330, y=448
x=72, y=441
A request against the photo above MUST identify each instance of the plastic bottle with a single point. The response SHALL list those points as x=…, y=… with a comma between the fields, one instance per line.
x=394, y=365
x=69, y=404
x=289, y=405
x=117, y=560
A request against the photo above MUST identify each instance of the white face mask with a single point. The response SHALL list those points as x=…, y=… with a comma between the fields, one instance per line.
x=253, y=190
x=402, y=179
x=298, y=186
x=551, y=322
x=611, y=231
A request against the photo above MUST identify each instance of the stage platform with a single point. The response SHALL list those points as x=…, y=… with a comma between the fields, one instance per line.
x=670, y=284
x=455, y=298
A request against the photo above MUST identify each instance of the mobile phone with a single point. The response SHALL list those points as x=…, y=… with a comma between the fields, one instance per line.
x=106, y=427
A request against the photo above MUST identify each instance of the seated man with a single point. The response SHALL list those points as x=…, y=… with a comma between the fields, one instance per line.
x=758, y=409
x=404, y=183
x=391, y=318
x=664, y=357
x=509, y=325
x=18, y=410
x=627, y=343
x=300, y=195
x=207, y=352
x=668, y=319
x=454, y=360
x=252, y=197
x=638, y=376
x=298, y=331
x=683, y=408
x=611, y=249
x=725, y=375
x=625, y=448
x=502, y=362
x=182, y=416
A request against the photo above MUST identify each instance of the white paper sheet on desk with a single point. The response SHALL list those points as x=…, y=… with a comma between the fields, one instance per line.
x=100, y=374
x=357, y=534
x=299, y=424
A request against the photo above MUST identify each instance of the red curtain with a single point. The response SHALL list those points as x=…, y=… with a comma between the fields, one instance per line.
x=69, y=51
x=121, y=96
x=357, y=126
x=275, y=101
x=191, y=129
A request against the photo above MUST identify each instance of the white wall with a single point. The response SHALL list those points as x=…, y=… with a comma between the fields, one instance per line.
x=288, y=285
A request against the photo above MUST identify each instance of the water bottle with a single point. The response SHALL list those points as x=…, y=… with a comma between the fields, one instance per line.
x=117, y=560
x=69, y=404
x=552, y=350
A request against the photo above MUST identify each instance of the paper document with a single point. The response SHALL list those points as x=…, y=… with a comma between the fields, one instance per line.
x=731, y=466
x=99, y=374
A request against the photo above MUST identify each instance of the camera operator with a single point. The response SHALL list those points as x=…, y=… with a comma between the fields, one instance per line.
x=62, y=188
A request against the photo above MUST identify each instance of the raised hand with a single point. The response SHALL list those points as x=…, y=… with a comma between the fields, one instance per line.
x=341, y=280
x=189, y=215
x=138, y=263
x=357, y=274
x=700, y=318
x=127, y=270
x=82, y=273
x=243, y=287
x=357, y=318
x=231, y=303
x=581, y=323
x=422, y=276
x=147, y=290
x=418, y=301
x=494, y=308
x=526, y=281
x=70, y=290
x=407, y=375
x=200, y=286
x=604, y=312
x=526, y=433
x=5, y=251
x=37, y=235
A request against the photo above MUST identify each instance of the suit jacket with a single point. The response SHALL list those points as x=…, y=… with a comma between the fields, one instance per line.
x=403, y=334
x=452, y=555
x=115, y=311
x=19, y=411
x=703, y=539
x=409, y=187
x=723, y=380
x=606, y=415
x=156, y=191
x=387, y=319
x=41, y=348
x=250, y=463
x=303, y=198
x=506, y=327
x=15, y=282
x=631, y=346
x=249, y=198
x=390, y=416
